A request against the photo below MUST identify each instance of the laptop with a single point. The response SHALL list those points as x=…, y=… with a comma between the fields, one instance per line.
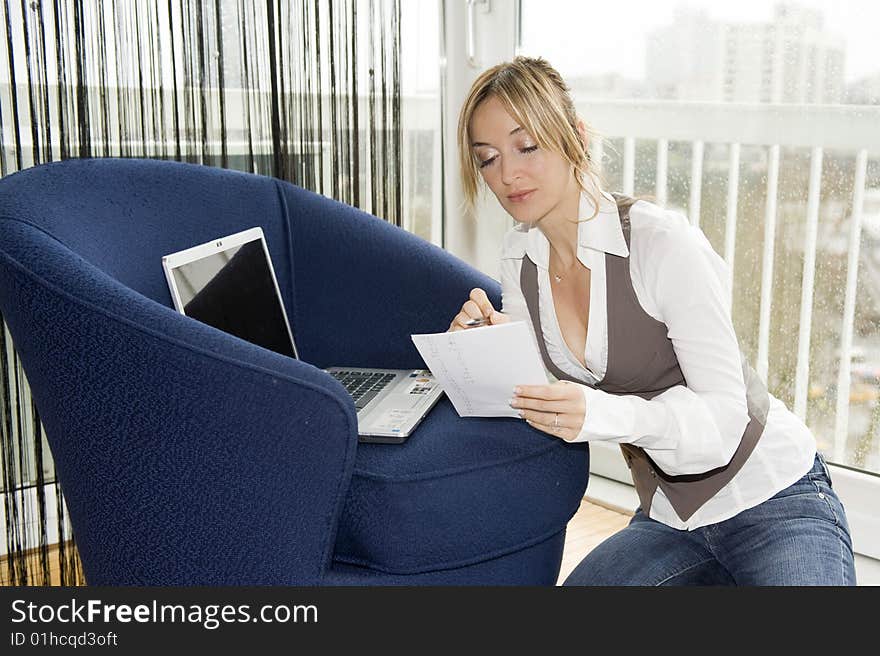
x=229, y=283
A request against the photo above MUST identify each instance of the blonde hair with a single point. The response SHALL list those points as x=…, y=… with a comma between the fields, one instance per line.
x=537, y=98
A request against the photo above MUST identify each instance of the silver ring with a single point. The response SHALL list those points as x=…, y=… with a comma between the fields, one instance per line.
x=556, y=421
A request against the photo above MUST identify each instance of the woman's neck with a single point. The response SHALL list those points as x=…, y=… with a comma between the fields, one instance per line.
x=561, y=229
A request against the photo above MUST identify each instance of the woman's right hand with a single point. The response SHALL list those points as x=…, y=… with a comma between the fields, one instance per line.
x=477, y=306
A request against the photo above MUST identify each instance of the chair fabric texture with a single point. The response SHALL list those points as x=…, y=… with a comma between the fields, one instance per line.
x=188, y=456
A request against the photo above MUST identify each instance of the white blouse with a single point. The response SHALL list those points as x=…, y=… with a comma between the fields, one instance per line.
x=680, y=280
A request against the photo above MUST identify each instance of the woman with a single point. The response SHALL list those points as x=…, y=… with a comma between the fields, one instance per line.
x=628, y=303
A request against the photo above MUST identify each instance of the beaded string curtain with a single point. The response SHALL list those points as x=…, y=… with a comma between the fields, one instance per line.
x=306, y=91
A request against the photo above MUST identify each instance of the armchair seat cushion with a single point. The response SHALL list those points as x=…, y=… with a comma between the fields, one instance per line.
x=481, y=488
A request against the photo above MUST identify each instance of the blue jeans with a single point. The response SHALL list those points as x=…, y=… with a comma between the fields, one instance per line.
x=798, y=537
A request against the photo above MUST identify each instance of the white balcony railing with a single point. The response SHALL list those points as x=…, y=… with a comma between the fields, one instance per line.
x=844, y=129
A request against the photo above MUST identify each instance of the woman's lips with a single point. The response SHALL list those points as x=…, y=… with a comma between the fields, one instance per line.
x=521, y=196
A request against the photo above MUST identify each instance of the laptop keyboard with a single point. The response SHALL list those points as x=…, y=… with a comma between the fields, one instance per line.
x=362, y=385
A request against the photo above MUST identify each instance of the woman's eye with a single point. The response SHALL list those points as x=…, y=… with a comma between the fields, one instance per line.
x=486, y=162
x=528, y=149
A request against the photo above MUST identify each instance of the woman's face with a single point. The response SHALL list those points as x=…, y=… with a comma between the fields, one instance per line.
x=528, y=181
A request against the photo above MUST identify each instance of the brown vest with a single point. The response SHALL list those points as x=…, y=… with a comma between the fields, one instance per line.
x=642, y=362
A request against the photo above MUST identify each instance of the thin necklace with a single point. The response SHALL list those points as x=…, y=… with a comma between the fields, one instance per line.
x=556, y=276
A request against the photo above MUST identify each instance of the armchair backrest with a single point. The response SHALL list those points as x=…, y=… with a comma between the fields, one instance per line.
x=355, y=287
x=123, y=215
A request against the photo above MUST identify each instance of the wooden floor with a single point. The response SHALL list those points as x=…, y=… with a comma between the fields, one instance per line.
x=34, y=568
x=590, y=525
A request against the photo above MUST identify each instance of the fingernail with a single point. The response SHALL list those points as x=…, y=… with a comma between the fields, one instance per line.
x=512, y=403
x=517, y=390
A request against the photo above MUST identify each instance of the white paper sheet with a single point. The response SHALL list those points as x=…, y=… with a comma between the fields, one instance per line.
x=479, y=367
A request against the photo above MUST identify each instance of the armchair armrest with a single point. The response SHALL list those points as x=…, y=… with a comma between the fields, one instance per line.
x=187, y=456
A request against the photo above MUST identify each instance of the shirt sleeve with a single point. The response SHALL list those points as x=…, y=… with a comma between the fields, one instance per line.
x=693, y=428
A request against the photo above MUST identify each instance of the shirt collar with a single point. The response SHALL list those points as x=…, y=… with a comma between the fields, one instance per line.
x=601, y=233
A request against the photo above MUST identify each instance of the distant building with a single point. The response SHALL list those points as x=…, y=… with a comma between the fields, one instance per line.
x=865, y=91
x=685, y=59
x=607, y=86
x=792, y=59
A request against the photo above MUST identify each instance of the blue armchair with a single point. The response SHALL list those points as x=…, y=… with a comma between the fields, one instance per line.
x=190, y=457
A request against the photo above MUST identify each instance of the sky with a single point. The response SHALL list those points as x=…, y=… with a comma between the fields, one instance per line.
x=552, y=27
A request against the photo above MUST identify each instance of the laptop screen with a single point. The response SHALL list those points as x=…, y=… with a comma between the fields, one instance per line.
x=234, y=290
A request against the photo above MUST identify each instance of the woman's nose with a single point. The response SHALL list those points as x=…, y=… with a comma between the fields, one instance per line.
x=510, y=170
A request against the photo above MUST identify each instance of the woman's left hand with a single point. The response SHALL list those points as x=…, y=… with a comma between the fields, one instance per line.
x=558, y=409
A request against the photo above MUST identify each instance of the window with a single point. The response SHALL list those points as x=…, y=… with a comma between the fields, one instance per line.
x=793, y=143
x=420, y=88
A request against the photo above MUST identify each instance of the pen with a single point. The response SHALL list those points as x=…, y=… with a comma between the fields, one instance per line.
x=476, y=322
